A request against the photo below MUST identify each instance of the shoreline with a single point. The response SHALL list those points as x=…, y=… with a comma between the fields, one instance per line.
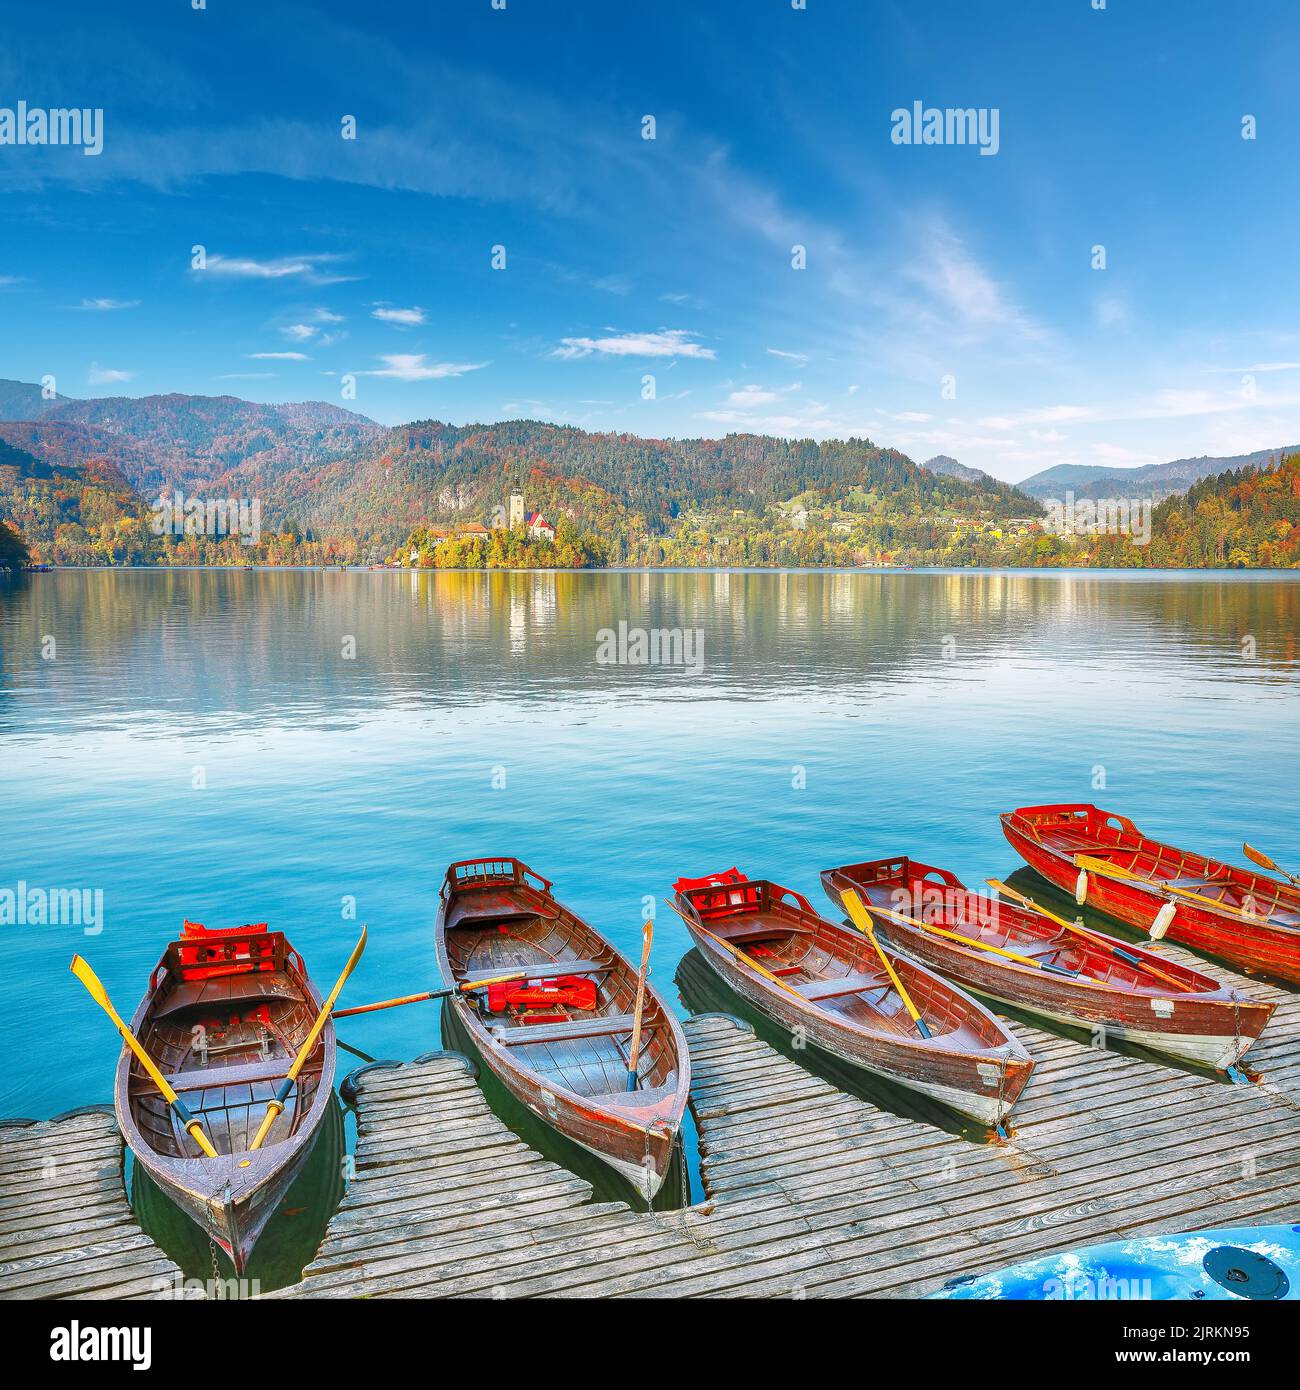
x=660, y=569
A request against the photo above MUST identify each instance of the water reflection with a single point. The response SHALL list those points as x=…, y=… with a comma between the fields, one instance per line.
x=160, y=647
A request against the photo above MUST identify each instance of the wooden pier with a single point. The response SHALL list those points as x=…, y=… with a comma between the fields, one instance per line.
x=809, y=1191
x=66, y=1228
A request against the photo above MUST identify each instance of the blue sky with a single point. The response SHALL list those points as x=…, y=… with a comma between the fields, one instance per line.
x=522, y=128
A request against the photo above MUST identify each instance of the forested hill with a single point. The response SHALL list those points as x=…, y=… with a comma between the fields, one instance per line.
x=462, y=472
x=332, y=486
x=1249, y=517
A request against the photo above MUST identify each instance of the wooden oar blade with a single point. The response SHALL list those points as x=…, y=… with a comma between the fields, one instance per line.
x=81, y=969
x=1257, y=856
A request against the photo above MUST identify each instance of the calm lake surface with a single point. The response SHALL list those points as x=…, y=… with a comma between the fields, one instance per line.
x=247, y=746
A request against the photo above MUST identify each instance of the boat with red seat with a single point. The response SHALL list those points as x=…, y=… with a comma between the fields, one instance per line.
x=1239, y=915
x=827, y=980
x=559, y=1039
x=225, y=1015
x=1017, y=955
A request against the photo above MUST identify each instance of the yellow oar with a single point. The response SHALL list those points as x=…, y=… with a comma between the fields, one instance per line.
x=1114, y=947
x=1087, y=864
x=739, y=954
x=99, y=994
x=647, y=936
x=1257, y=856
x=275, y=1105
x=972, y=942
x=853, y=905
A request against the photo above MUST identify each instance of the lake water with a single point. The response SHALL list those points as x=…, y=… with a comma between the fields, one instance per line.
x=247, y=746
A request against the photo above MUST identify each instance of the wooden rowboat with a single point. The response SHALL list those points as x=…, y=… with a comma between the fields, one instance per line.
x=1238, y=915
x=559, y=1039
x=225, y=1015
x=1092, y=981
x=830, y=983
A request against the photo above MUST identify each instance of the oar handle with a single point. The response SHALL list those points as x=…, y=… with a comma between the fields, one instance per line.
x=647, y=935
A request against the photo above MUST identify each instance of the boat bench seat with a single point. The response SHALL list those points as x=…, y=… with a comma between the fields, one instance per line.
x=754, y=929
x=834, y=989
x=542, y=970
x=224, y=990
x=562, y=1032
x=276, y=1069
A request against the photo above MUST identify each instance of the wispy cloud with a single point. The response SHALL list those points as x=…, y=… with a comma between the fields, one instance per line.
x=664, y=342
x=416, y=367
x=106, y=376
x=277, y=356
x=406, y=318
x=104, y=306
x=1258, y=367
x=798, y=358
x=310, y=268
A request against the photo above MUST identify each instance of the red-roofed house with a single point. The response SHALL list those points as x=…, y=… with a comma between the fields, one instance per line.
x=539, y=527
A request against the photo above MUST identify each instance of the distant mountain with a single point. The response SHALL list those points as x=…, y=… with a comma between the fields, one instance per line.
x=1156, y=480
x=192, y=442
x=950, y=468
x=21, y=400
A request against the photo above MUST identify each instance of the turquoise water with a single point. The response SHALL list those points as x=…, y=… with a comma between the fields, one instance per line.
x=835, y=716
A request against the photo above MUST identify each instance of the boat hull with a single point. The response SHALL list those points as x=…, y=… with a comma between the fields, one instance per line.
x=638, y=1153
x=500, y=916
x=982, y=1089
x=1255, y=947
x=1138, y=997
x=230, y=1197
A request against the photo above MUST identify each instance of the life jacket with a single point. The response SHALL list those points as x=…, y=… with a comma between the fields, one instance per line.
x=206, y=952
x=565, y=991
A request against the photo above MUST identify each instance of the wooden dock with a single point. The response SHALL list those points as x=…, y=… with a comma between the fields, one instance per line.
x=809, y=1191
x=66, y=1228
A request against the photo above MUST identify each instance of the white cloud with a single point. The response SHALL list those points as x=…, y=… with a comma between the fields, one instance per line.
x=750, y=396
x=1112, y=312
x=299, y=332
x=406, y=318
x=278, y=356
x=281, y=268
x=800, y=358
x=1046, y=415
x=963, y=291
x=665, y=342
x=106, y=376
x=917, y=416
x=107, y=305
x=1259, y=367
x=415, y=367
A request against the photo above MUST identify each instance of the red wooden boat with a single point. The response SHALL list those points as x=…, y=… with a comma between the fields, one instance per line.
x=1236, y=914
x=811, y=974
x=226, y=1014
x=559, y=1039
x=1089, y=981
